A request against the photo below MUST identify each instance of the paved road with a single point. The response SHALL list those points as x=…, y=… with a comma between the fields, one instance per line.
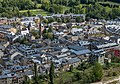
x=110, y=81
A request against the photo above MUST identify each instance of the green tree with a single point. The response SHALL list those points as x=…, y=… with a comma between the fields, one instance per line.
x=50, y=29
x=51, y=10
x=51, y=20
x=78, y=75
x=79, y=19
x=52, y=1
x=61, y=75
x=51, y=73
x=50, y=35
x=45, y=20
x=29, y=13
x=71, y=68
x=98, y=72
x=35, y=73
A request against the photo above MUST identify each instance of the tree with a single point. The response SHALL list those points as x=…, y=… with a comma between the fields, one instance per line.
x=51, y=10
x=45, y=20
x=50, y=35
x=51, y=20
x=79, y=19
x=60, y=75
x=35, y=73
x=83, y=66
x=35, y=4
x=114, y=73
x=51, y=73
x=35, y=34
x=98, y=72
x=50, y=29
x=52, y=1
x=71, y=68
x=29, y=13
x=78, y=75
x=88, y=77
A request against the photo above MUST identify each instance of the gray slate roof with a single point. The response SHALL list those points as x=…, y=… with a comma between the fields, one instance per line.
x=74, y=60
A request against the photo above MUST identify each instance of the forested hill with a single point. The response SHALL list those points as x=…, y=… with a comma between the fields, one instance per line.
x=118, y=1
x=100, y=9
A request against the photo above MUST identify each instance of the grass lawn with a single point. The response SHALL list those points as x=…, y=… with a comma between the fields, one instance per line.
x=37, y=11
x=108, y=2
x=66, y=76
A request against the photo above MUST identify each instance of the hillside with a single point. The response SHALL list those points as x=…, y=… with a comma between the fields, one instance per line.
x=100, y=9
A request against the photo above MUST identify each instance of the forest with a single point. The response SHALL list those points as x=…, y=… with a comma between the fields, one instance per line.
x=99, y=9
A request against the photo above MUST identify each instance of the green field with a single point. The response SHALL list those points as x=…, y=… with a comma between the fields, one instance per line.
x=111, y=3
x=37, y=11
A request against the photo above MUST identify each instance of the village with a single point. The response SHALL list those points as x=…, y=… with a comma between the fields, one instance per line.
x=64, y=39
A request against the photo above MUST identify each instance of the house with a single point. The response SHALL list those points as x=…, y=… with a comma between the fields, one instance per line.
x=107, y=46
x=11, y=79
x=29, y=74
x=74, y=38
x=113, y=22
x=8, y=21
x=74, y=61
x=2, y=47
x=74, y=30
x=16, y=55
x=115, y=29
x=116, y=51
x=3, y=36
x=71, y=16
x=99, y=43
x=25, y=32
x=12, y=20
x=26, y=23
x=3, y=20
x=78, y=15
x=8, y=28
x=84, y=43
x=80, y=52
x=1, y=54
x=115, y=39
x=5, y=27
x=97, y=56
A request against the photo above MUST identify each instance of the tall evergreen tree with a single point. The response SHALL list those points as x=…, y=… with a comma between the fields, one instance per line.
x=51, y=73
x=98, y=72
x=35, y=73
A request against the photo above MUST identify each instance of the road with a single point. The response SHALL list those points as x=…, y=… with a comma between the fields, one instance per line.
x=113, y=80
x=109, y=81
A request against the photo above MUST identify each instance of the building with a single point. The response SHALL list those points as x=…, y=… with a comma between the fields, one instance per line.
x=3, y=20
x=97, y=56
x=116, y=51
x=11, y=79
